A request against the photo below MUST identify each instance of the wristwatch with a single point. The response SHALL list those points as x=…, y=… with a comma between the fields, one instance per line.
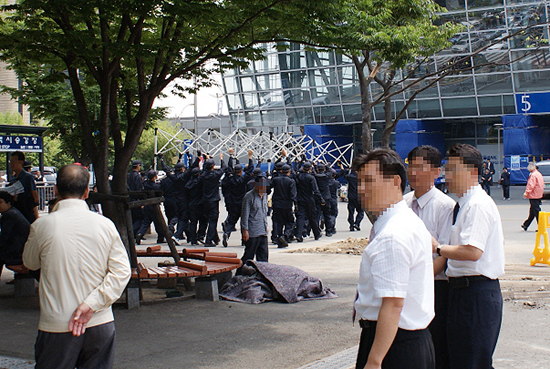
x=439, y=249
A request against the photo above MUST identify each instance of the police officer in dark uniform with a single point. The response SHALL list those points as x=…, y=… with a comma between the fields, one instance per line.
x=210, y=180
x=148, y=210
x=284, y=196
x=307, y=196
x=136, y=184
x=323, y=212
x=179, y=179
x=354, y=204
x=234, y=188
x=334, y=185
x=194, y=198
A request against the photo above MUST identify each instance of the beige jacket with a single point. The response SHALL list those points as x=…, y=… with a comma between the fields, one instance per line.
x=81, y=258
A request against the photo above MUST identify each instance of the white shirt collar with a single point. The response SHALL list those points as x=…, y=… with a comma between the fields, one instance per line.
x=388, y=214
x=472, y=191
x=424, y=199
x=70, y=203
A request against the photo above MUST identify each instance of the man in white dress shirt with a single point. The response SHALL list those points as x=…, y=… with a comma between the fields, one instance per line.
x=395, y=292
x=84, y=270
x=436, y=211
x=475, y=262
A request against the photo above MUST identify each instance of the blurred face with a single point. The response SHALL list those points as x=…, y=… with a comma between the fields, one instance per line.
x=15, y=163
x=261, y=187
x=422, y=174
x=459, y=177
x=376, y=190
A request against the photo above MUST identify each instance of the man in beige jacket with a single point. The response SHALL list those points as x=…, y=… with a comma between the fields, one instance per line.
x=84, y=270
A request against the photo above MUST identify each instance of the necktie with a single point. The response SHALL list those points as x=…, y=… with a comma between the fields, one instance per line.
x=455, y=212
x=415, y=206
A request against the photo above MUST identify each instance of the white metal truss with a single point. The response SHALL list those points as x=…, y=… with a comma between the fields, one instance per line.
x=265, y=146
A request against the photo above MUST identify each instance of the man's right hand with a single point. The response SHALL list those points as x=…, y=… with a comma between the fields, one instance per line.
x=250, y=153
x=246, y=236
x=81, y=316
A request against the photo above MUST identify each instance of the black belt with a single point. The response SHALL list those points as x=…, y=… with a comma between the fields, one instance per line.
x=463, y=282
x=366, y=324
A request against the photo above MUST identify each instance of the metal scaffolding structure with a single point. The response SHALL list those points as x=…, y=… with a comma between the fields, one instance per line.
x=265, y=146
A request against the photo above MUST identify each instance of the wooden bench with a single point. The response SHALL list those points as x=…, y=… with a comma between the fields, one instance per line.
x=23, y=281
x=210, y=270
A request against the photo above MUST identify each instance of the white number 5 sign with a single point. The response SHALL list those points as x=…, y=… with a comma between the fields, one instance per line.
x=526, y=103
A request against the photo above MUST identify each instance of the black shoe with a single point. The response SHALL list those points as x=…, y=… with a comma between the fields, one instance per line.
x=139, y=237
x=322, y=224
x=299, y=239
x=328, y=234
x=160, y=240
x=282, y=242
x=210, y=244
x=223, y=226
x=522, y=226
x=317, y=238
x=357, y=227
x=352, y=228
x=176, y=241
x=224, y=240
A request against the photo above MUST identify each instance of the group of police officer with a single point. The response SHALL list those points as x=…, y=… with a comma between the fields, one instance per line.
x=304, y=197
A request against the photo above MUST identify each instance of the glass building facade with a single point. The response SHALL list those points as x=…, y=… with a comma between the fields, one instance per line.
x=297, y=86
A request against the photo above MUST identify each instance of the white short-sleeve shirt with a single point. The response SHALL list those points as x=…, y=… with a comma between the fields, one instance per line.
x=436, y=211
x=398, y=263
x=478, y=224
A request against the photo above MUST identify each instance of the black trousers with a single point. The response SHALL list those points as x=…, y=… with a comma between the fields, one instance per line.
x=255, y=247
x=307, y=210
x=355, y=207
x=171, y=212
x=410, y=350
x=438, y=326
x=196, y=218
x=183, y=220
x=333, y=213
x=473, y=324
x=95, y=349
x=212, y=212
x=137, y=219
x=534, y=210
x=324, y=212
x=506, y=191
x=233, y=215
x=148, y=218
x=283, y=223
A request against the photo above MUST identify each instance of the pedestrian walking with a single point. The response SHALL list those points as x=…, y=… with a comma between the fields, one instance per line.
x=487, y=181
x=355, y=210
x=395, y=292
x=323, y=177
x=254, y=222
x=435, y=209
x=534, y=192
x=308, y=196
x=284, y=197
x=15, y=230
x=505, y=183
x=210, y=180
x=475, y=261
x=334, y=186
x=149, y=215
x=84, y=270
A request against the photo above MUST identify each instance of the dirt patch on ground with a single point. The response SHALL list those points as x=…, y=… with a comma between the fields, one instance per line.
x=349, y=246
x=526, y=286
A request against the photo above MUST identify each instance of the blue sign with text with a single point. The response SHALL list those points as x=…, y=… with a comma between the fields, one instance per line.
x=20, y=143
x=533, y=102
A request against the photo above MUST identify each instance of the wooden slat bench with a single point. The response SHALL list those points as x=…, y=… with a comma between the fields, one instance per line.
x=23, y=281
x=208, y=269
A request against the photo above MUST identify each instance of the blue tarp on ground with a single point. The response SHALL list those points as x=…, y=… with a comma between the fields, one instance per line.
x=526, y=135
x=410, y=133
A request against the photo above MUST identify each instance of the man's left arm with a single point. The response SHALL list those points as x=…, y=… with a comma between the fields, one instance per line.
x=31, y=251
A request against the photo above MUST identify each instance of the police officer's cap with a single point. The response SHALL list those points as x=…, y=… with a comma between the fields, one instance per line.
x=321, y=168
x=307, y=165
x=279, y=165
x=27, y=164
x=238, y=168
x=257, y=171
x=209, y=164
x=135, y=163
x=151, y=174
x=285, y=168
x=179, y=165
x=195, y=171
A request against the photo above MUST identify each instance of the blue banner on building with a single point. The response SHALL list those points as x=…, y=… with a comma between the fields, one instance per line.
x=533, y=102
x=20, y=143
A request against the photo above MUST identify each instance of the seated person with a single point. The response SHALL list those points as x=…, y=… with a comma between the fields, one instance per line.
x=14, y=230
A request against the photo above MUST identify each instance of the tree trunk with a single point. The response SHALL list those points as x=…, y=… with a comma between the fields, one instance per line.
x=366, y=136
x=388, y=122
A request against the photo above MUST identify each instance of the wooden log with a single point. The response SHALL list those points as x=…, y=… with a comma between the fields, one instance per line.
x=217, y=259
x=152, y=249
x=223, y=254
x=195, y=251
x=200, y=267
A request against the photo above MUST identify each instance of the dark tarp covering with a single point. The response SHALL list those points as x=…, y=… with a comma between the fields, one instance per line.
x=261, y=282
x=410, y=133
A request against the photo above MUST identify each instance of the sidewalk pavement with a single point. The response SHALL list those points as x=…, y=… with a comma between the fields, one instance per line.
x=200, y=334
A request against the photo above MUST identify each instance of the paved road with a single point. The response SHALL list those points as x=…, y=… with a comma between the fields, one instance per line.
x=198, y=334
